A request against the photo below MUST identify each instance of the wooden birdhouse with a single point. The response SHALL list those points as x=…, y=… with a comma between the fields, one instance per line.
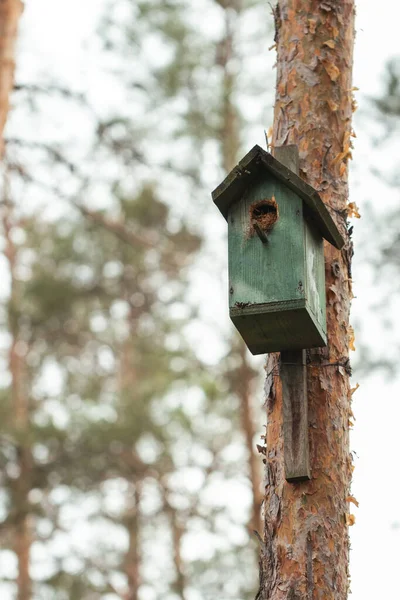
x=276, y=227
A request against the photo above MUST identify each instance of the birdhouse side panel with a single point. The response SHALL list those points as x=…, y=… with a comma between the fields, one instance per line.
x=315, y=275
x=271, y=272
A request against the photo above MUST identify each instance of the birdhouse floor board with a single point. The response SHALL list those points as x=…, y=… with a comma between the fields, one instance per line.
x=278, y=326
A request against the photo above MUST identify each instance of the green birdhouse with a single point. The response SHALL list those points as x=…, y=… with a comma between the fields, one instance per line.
x=276, y=227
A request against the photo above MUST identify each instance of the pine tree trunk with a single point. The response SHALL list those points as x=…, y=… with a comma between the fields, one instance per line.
x=20, y=401
x=132, y=558
x=306, y=547
x=127, y=381
x=230, y=141
x=23, y=534
x=230, y=144
x=177, y=532
x=10, y=12
x=245, y=387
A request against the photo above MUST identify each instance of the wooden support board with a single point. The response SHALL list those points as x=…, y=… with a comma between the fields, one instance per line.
x=295, y=415
x=294, y=381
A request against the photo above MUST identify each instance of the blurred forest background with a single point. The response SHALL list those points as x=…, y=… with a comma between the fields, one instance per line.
x=126, y=433
x=130, y=409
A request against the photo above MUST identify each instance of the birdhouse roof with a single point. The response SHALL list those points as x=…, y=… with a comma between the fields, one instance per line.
x=258, y=161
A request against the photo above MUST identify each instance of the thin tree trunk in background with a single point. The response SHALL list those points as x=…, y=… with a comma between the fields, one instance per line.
x=10, y=12
x=306, y=547
x=23, y=534
x=245, y=389
x=20, y=402
x=230, y=123
x=230, y=144
x=127, y=381
x=177, y=531
x=132, y=558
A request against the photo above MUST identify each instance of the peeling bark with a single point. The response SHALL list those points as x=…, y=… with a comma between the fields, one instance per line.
x=10, y=12
x=306, y=537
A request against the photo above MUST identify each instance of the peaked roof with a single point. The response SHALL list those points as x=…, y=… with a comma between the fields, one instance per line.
x=257, y=161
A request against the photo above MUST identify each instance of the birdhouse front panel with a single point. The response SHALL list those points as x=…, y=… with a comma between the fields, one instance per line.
x=259, y=272
x=276, y=226
x=275, y=293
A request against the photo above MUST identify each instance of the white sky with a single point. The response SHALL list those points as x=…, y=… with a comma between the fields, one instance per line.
x=54, y=32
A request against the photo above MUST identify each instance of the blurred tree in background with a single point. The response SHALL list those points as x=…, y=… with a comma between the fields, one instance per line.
x=122, y=446
x=381, y=223
x=10, y=13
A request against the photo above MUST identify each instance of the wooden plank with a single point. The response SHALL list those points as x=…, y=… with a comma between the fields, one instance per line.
x=295, y=416
x=294, y=383
x=259, y=272
x=315, y=276
x=265, y=330
x=288, y=156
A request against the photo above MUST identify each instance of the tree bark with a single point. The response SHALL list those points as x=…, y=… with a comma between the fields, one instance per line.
x=306, y=547
x=10, y=12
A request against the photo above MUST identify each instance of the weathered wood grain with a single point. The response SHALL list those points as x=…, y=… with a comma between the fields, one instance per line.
x=295, y=415
x=277, y=291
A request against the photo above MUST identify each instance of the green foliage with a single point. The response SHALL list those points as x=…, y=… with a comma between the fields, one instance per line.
x=130, y=437
x=389, y=103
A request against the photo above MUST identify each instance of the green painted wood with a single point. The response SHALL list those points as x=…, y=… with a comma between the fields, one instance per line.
x=272, y=331
x=259, y=162
x=276, y=289
x=315, y=275
x=259, y=272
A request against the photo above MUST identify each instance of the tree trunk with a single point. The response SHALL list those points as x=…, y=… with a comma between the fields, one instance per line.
x=230, y=144
x=132, y=557
x=20, y=401
x=23, y=533
x=306, y=547
x=245, y=388
x=229, y=136
x=10, y=12
x=126, y=384
x=177, y=532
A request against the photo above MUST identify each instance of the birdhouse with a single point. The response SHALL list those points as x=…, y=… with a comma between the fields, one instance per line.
x=276, y=227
